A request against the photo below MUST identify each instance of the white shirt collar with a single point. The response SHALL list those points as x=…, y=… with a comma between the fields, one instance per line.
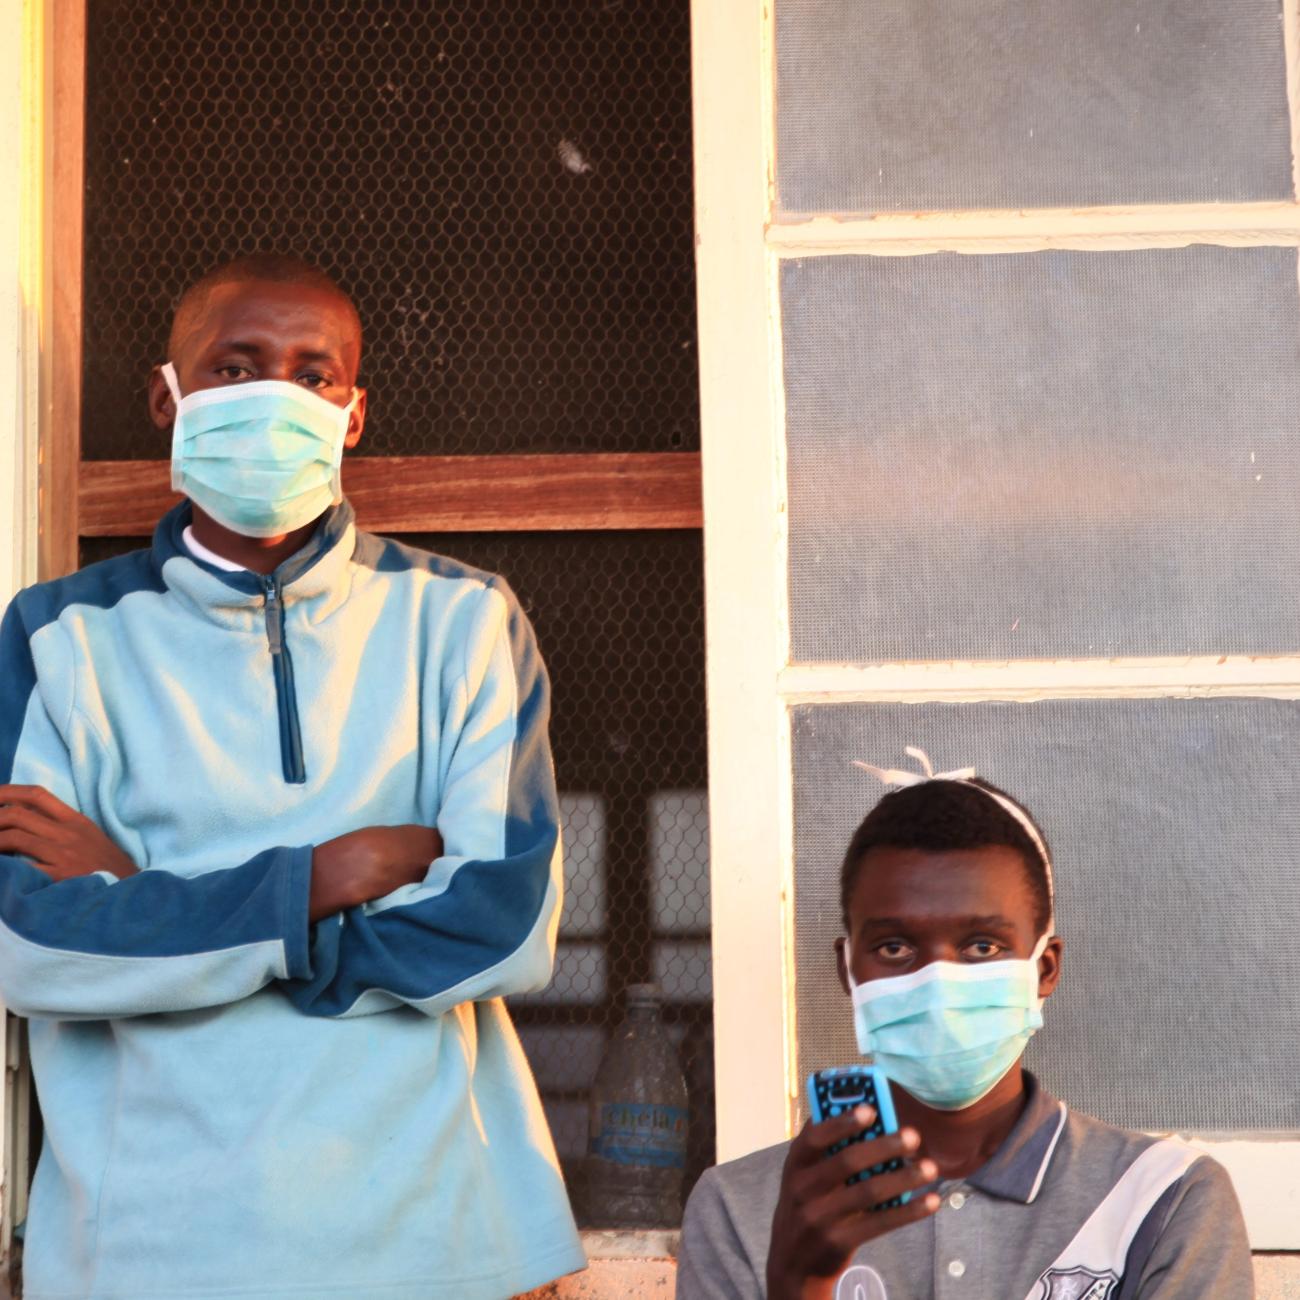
x=201, y=552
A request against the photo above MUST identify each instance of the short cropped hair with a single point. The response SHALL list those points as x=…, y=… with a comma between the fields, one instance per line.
x=267, y=268
x=940, y=816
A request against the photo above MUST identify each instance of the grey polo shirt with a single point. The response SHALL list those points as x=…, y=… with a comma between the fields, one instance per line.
x=1068, y=1208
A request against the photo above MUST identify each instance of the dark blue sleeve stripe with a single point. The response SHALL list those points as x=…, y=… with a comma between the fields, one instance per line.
x=158, y=914
x=490, y=907
x=17, y=682
x=100, y=585
x=1145, y=1239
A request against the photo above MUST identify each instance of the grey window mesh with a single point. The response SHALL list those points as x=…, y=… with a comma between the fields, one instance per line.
x=922, y=104
x=1038, y=455
x=1175, y=829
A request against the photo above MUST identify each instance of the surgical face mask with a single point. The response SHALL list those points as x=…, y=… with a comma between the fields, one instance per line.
x=261, y=458
x=950, y=1031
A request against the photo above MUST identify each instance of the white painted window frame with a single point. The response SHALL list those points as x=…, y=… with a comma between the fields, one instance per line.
x=751, y=684
x=24, y=293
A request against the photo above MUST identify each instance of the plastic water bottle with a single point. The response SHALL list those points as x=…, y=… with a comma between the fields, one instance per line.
x=639, y=1120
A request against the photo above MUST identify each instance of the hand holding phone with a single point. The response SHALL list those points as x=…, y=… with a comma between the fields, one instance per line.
x=837, y=1170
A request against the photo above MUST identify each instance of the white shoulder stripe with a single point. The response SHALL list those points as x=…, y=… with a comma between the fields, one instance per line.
x=1047, y=1156
x=1101, y=1246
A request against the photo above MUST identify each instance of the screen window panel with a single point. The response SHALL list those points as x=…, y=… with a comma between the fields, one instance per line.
x=1057, y=454
x=1175, y=829
x=916, y=105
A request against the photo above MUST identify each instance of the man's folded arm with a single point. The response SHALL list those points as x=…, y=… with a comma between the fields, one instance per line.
x=482, y=922
x=96, y=947
x=91, y=945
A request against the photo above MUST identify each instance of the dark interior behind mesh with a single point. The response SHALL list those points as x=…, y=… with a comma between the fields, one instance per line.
x=505, y=188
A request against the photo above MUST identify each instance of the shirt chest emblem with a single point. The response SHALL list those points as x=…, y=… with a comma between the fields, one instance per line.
x=1078, y=1284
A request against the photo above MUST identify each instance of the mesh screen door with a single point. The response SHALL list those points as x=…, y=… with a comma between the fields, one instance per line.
x=506, y=190
x=1002, y=465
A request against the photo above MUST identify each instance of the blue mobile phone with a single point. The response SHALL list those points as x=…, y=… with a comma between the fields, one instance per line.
x=832, y=1092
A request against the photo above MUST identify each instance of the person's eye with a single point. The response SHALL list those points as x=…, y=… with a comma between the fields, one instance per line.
x=982, y=950
x=234, y=374
x=313, y=379
x=893, y=950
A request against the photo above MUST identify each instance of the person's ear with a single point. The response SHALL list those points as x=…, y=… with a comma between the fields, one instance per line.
x=1049, y=966
x=842, y=964
x=356, y=421
x=162, y=408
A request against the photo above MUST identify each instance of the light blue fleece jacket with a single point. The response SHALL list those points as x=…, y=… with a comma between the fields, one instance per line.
x=238, y=1103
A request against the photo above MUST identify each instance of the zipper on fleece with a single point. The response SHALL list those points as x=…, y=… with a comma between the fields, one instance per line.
x=286, y=696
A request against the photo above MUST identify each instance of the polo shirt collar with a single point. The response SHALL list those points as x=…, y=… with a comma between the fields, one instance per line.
x=1018, y=1167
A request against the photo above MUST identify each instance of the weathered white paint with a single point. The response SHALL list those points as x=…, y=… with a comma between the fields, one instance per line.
x=1029, y=230
x=740, y=401
x=21, y=280
x=1266, y=1174
x=1275, y=677
x=22, y=286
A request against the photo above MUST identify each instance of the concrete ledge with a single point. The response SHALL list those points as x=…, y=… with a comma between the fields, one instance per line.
x=614, y=1279
x=1277, y=1277
x=622, y=1243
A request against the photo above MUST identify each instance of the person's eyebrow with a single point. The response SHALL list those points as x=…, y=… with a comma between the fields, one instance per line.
x=884, y=923
x=303, y=355
x=965, y=922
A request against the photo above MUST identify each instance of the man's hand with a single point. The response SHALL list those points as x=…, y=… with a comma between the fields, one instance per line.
x=61, y=842
x=367, y=864
x=820, y=1222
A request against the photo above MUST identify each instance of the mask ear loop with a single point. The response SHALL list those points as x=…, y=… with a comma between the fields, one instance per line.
x=339, y=447
x=174, y=388
x=173, y=384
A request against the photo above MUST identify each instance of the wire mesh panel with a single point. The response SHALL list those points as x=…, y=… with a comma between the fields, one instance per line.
x=1044, y=454
x=505, y=188
x=921, y=104
x=1176, y=836
x=620, y=622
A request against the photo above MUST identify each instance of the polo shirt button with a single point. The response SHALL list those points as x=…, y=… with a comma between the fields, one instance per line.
x=956, y=1268
x=957, y=1200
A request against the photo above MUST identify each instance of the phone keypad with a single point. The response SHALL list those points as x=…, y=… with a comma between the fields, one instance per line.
x=833, y=1102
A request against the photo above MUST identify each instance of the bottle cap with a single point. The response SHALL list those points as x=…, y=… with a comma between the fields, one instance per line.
x=644, y=995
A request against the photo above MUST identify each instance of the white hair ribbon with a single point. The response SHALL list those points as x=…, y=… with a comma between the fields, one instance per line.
x=897, y=776
x=966, y=775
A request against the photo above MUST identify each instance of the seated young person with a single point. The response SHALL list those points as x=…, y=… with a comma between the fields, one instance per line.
x=949, y=953
x=278, y=831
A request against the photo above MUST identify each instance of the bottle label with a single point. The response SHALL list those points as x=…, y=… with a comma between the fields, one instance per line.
x=642, y=1134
